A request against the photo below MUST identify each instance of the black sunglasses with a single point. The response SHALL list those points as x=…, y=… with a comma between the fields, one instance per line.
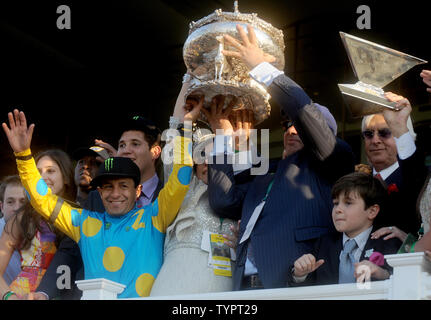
x=384, y=133
x=286, y=124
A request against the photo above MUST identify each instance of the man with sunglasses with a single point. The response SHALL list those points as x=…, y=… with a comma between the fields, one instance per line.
x=291, y=141
x=389, y=142
x=283, y=212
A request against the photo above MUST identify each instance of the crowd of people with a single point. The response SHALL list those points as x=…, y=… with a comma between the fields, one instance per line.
x=209, y=224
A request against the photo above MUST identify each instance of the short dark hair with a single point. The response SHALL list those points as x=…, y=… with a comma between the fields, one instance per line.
x=370, y=189
x=9, y=180
x=151, y=132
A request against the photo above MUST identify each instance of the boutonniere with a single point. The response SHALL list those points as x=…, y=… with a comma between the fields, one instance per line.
x=392, y=188
x=377, y=258
x=368, y=253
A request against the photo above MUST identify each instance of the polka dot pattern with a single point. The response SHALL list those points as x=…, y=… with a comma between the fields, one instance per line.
x=75, y=215
x=144, y=284
x=91, y=227
x=113, y=259
x=184, y=175
x=41, y=187
x=106, y=240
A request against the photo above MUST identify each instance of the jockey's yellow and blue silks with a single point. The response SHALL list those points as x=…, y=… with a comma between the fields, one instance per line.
x=126, y=249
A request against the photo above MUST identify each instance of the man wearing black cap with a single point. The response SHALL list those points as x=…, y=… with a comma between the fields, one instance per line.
x=140, y=140
x=124, y=244
x=117, y=182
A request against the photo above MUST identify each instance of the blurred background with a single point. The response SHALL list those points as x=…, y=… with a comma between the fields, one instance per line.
x=124, y=57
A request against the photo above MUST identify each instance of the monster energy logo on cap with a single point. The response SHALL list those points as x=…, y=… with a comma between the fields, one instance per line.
x=109, y=164
x=117, y=168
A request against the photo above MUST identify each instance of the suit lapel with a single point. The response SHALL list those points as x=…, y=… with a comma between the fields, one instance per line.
x=370, y=244
x=395, y=177
x=335, y=255
x=263, y=186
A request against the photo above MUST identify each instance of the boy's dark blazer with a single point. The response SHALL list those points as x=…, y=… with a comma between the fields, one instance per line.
x=329, y=247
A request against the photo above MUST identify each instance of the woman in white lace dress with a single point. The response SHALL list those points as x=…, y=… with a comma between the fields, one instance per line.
x=185, y=269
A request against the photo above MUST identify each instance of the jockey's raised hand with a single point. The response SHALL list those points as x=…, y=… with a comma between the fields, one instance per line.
x=18, y=133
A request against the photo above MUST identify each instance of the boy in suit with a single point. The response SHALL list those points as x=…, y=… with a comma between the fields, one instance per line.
x=349, y=255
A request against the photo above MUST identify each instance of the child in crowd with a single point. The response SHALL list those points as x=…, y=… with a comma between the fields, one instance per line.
x=12, y=198
x=349, y=255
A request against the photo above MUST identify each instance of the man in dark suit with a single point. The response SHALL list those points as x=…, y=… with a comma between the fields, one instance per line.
x=298, y=206
x=390, y=147
x=140, y=140
x=358, y=198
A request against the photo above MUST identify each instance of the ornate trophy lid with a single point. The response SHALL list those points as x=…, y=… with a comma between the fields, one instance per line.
x=238, y=17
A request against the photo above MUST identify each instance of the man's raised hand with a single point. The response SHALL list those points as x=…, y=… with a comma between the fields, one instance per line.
x=249, y=51
x=18, y=133
x=193, y=109
x=397, y=120
x=217, y=117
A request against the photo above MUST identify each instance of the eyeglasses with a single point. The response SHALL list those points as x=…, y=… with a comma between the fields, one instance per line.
x=384, y=133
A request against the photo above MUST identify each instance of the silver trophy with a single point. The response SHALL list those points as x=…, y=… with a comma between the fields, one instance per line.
x=215, y=74
x=375, y=66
